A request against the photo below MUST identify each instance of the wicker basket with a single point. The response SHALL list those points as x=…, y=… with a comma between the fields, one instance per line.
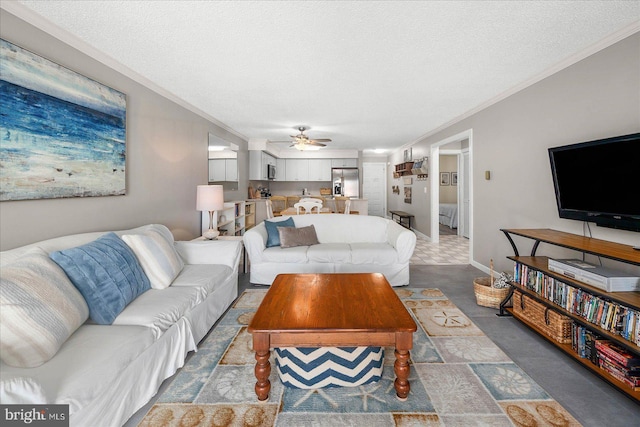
x=552, y=324
x=486, y=295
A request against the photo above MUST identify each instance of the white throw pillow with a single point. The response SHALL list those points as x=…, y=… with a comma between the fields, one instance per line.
x=39, y=309
x=158, y=258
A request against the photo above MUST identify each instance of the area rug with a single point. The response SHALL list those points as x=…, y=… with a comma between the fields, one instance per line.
x=458, y=378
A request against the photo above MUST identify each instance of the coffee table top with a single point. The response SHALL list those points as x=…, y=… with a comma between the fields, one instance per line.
x=349, y=302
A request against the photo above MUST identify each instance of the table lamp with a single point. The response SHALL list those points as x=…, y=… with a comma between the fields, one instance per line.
x=210, y=198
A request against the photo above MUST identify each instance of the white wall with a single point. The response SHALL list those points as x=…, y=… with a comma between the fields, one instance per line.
x=597, y=97
x=166, y=159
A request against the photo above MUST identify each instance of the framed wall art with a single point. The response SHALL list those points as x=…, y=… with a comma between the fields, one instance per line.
x=445, y=178
x=454, y=178
x=63, y=134
x=407, y=195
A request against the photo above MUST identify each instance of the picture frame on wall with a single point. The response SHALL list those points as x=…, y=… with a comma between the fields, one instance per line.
x=454, y=178
x=64, y=134
x=407, y=195
x=445, y=178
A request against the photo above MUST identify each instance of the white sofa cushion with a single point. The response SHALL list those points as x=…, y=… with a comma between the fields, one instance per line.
x=158, y=309
x=330, y=252
x=297, y=254
x=340, y=228
x=158, y=258
x=373, y=253
x=207, y=277
x=88, y=362
x=39, y=309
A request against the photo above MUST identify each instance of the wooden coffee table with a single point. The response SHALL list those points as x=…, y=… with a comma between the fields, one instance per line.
x=331, y=310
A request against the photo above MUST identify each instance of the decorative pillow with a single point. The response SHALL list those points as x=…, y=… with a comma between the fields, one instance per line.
x=158, y=258
x=39, y=309
x=273, y=237
x=107, y=274
x=303, y=236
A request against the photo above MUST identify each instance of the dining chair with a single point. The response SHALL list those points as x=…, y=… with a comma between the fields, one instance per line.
x=341, y=202
x=292, y=200
x=278, y=204
x=308, y=207
x=269, y=209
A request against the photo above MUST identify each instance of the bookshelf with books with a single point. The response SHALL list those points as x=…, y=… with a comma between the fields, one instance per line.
x=604, y=323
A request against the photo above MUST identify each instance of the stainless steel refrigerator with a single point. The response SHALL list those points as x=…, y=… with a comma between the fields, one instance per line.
x=346, y=182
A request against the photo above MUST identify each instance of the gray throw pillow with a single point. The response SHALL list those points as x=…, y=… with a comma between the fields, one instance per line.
x=303, y=236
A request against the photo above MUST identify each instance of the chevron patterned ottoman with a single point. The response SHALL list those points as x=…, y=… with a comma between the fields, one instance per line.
x=311, y=368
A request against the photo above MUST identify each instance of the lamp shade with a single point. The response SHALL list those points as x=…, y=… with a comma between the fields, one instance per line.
x=210, y=198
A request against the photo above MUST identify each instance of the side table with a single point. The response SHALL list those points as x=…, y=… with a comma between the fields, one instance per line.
x=238, y=239
x=244, y=252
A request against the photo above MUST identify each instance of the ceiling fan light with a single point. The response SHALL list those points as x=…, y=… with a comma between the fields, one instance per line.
x=306, y=147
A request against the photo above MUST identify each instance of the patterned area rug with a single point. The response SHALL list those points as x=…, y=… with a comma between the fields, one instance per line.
x=458, y=378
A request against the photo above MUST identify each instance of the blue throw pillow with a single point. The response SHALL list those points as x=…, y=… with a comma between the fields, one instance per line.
x=273, y=237
x=107, y=274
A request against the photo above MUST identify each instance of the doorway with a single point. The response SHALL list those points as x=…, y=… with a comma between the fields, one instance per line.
x=374, y=187
x=463, y=147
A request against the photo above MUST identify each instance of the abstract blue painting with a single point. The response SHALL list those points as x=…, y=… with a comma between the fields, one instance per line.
x=61, y=134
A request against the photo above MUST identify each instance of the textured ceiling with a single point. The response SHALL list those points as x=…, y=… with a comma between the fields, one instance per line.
x=365, y=74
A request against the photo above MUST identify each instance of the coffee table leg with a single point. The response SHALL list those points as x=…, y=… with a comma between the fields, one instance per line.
x=263, y=367
x=402, y=370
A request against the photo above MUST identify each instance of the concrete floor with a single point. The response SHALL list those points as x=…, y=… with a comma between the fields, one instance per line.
x=591, y=400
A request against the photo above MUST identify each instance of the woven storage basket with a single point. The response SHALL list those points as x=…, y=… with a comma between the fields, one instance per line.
x=553, y=324
x=486, y=295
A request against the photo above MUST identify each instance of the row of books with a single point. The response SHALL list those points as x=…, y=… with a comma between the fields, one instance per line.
x=611, y=316
x=610, y=357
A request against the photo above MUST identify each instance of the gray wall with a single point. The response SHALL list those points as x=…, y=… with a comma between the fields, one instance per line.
x=166, y=159
x=595, y=98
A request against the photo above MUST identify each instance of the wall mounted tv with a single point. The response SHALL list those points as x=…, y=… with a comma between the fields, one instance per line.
x=599, y=181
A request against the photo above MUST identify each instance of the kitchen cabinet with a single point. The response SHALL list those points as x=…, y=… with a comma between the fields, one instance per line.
x=281, y=168
x=344, y=163
x=319, y=169
x=258, y=161
x=297, y=170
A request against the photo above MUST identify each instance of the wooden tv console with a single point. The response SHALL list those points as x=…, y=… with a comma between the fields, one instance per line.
x=602, y=248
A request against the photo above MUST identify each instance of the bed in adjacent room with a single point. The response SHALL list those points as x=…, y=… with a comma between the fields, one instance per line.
x=449, y=214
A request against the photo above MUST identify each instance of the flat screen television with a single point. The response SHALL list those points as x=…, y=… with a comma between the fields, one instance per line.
x=599, y=181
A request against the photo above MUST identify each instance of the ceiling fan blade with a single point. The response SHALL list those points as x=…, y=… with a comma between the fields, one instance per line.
x=316, y=143
x=321, y=140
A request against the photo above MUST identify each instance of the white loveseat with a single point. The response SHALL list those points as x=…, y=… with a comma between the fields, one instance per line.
x=105, y=373
x=347, y=244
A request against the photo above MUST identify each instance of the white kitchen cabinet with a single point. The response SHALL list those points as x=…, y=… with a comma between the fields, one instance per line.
x=258, y=161
x=319, y=169
x=344, y=163
x=256, y=172
x=297, y=170
x=281, y=168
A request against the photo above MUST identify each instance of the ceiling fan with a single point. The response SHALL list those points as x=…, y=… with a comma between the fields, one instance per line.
x=302, y=141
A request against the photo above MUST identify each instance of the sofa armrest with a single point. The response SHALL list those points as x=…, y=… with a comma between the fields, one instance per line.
x=225, y=252
x=255, y=242
x=402, y=239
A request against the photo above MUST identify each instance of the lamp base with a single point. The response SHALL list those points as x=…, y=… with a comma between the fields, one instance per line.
x=211, y=234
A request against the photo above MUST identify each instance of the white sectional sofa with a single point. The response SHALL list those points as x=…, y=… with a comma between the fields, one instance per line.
x=106, y=372
x=347, y=244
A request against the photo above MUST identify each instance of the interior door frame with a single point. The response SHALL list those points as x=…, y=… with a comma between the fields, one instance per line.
x=434, y=171
x=384, y=187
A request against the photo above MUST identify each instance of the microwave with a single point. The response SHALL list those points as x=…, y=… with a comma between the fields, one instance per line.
x=271, y=172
